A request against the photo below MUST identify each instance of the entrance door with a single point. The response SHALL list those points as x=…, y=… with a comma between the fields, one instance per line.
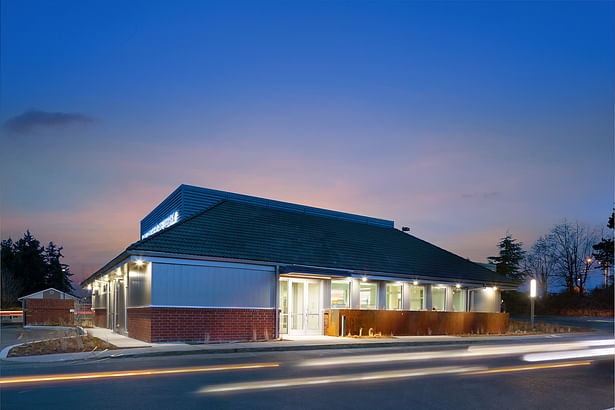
x=117, y=311
x=304, y=307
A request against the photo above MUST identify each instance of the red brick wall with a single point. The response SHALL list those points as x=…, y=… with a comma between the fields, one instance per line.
x=100, y=317
x=140, y=323
x=48, y=311
x=197, y=325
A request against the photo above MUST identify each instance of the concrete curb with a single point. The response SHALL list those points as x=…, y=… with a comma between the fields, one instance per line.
x=125, y=353
x=76, y=328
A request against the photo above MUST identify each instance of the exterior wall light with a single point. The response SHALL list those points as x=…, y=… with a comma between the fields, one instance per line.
x=458, y=286
x=363, y=279
x=495, y=288
x=139, y=262
x=416, y=282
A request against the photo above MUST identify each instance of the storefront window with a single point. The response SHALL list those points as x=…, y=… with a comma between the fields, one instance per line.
x=284, y=307
x=369, y=296
x=340, y=291
x=438, y=298
x=417, y=300
x=393, y=297
x=459, y=300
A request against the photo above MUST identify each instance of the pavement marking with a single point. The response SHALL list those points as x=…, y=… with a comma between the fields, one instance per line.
x=525, y=368
x=105, y=375
x=280, y=383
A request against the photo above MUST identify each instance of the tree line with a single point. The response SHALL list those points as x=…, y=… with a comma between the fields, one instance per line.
x=566, y=255
x=29, y=267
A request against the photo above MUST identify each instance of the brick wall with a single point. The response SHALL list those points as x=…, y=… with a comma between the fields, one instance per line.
x=100, y=317
x=48, y=311
x=197, y=325
x=140, y=323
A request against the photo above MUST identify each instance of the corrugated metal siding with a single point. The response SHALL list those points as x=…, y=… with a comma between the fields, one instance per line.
x=192, y=285
x=139, y=286
x=190, y=200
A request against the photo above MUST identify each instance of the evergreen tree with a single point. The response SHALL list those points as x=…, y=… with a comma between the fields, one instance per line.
x=58, y=274
x=508, y=263
x=27, y=267
x=30, y=265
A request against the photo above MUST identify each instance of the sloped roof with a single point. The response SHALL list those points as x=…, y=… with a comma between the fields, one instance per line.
x=40, y=293
x=239, y=230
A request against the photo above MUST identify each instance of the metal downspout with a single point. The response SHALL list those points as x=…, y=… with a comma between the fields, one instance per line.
x=277, y=301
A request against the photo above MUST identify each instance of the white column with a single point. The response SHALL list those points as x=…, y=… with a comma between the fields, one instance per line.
x=449, y=299
x=355, y=296
x=382, y=295
x=428, y=304
x=405, y=296
x=326, y=294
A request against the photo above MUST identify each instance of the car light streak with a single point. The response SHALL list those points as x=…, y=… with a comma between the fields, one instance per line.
x=525, y=368
x=574, y=354
x=130, y=373
x=397, y=374
x=471, y=351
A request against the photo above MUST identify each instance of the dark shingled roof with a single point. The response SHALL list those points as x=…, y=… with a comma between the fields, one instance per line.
x=238, y=230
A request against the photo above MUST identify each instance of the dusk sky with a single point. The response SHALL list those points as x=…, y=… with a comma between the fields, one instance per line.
x=461, y=120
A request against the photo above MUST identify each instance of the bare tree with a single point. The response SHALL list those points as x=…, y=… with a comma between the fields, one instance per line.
x=572, y=245
x=540, y=263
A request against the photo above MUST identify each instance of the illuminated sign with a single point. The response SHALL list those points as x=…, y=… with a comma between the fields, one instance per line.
x=165, y=223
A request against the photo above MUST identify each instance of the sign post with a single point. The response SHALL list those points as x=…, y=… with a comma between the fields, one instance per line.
x=532, y=298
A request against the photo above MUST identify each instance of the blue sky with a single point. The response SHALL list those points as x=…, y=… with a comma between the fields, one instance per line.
x=461, y=120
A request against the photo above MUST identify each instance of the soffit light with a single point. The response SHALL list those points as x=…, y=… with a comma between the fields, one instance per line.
x=416, y=282
x=139, y=262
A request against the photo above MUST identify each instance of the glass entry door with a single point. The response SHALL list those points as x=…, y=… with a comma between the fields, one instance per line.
x=304, y=307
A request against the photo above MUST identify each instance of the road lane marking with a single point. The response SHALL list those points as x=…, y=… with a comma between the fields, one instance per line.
x=130, y=373
x=526, y=368
x=396, y=374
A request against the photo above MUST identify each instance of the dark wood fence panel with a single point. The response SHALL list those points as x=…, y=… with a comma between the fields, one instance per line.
x=416, y=323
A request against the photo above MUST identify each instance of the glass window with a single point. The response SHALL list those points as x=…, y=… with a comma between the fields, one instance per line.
x=340, y=291
x=393, y=297
x=417, y=300
x=438, y=298
x=369, y=295
x=284, y=307
x=459, y=300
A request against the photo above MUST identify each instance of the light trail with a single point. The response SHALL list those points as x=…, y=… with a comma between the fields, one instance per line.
x=130, y=373
x=470, y=352
x=283, y=383
x=574, y=354
x=526, y=368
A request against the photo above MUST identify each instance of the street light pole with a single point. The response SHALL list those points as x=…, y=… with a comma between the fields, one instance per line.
x=532, y=298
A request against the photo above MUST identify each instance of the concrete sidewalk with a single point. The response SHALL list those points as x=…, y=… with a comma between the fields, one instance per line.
x=123, y=342
x=136, y=348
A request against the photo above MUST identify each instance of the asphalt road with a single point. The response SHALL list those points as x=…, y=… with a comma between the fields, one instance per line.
x=14, y=334
x=456, y=376
x=603, y=324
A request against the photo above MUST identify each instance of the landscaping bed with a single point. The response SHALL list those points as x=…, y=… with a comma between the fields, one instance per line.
x=73, y=344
